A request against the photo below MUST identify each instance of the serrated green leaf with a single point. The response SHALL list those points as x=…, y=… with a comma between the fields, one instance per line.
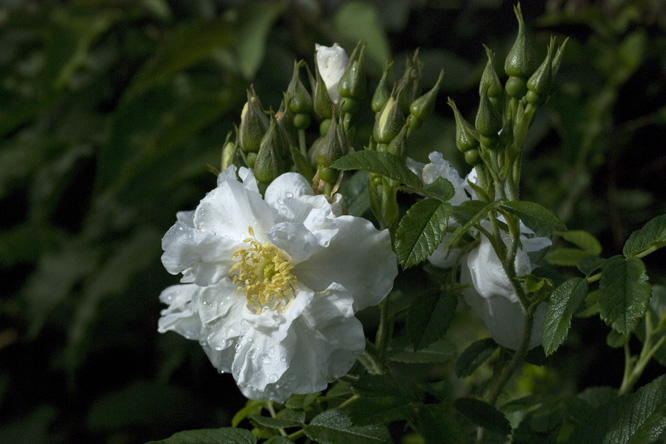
x=591, y=305
x=441, y=188
x=210, y=436
x=354, y=189
x=439, y=352
x=379, y=163
x=387, y=385
x=619, y=420
x=380, y=409
x=566, y=257
x=535, y=216
x=651, y=429
x=564, y=302
x=583, y=240
x=301, y=402
x=278, y=439
x=421, y=230
x=625, y=292
x=467, y=214
x=429, y=317
x=335, y=427
x=590, y=264
x=652, y=234
x=439, y=424
x=288, y=418
x=483, y=414
x=474, y=355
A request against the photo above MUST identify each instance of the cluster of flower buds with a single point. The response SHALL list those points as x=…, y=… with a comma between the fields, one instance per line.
x=403, y=110
x=505, y=112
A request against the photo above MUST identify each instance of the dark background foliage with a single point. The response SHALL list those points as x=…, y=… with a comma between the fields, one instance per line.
x=110, y=111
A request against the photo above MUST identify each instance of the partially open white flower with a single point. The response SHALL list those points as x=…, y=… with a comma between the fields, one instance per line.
x=429, y=173
x=271, y=285
x=332, y=63
x=492, y=296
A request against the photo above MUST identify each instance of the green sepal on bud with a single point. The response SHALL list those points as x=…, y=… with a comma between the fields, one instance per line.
x=388, y=122
x=382, y=94
x=322, y=103
x=488, y=122
x=490, y=82
x=253, y=125
x=539, y=83
x=410, y=83
x=229, y=153
x=353, y=84
x=467, y=138
x=332, y=147
x=269, y=163
x=298, y=98
x=521, y=61
x=421, y=109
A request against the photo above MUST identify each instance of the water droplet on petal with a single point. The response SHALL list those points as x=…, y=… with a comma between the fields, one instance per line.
x=272, y=378
x=271, y=350
x=266, y=359
x=289, y=195
x=280, y=201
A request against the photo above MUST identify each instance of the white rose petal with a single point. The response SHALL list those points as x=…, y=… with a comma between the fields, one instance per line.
x=332, y=63
x=273, y=284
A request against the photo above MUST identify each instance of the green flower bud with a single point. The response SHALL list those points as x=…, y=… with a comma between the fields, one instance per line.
x=423, y=107
x=398, y=146
x=353, y=83
x=282, y=138
x=298, y=98
x=388, y=122
x=253, y=125
x=322, y=101
x=324, y=126
x=539, y=83
x=269, y=164
x=491, y=83
x=382, y=94
x=521, y=60
x=466, y=136
x=410, y=83
x=488, y=122
x=333, y=146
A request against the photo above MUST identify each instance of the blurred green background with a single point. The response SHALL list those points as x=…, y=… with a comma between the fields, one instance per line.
x=110, y=111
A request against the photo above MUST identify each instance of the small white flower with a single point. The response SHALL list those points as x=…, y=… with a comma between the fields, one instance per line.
x=270, y=286
x=332, y=63
x=492, y=296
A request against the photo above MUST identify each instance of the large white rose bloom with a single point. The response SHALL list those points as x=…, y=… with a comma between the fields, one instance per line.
x=271, y=285
x=332, y=63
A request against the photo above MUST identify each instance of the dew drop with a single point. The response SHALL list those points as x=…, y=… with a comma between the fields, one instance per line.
x=221, y=372
x=266, y=359
x=283, y=210
x=271, y=350
x=280, y=201
x=283, y=359
x=237, y=346
x=289, y=195
x=251, y=354
x=272, y=378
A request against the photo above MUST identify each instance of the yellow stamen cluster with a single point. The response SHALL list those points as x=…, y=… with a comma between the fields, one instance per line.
x=263, y=274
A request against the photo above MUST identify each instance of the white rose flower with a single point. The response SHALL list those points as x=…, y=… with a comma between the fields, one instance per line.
x=270, y=286
x=332, y=63
x=492, y=296
x=440, y=167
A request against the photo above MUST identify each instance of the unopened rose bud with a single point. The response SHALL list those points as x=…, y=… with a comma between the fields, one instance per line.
x=382, y=94
x=466, y=136
x=253, y=125
x=353, y=83
x=389, y=122
x=488, y=122
x=269, y=164
x=539, y=83
x=410, y=83
x=521, y=61
x=298, y=98
x=491, y=83
x=331, y=64
x=421, y=109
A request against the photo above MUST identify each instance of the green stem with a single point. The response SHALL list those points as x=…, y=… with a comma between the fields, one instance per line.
x=381, y=339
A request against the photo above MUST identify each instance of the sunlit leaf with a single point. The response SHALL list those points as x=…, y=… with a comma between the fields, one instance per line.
x=334, y=427
x=421, y=230
x=651, y=234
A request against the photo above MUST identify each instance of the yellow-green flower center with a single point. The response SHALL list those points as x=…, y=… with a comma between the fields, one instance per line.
x=263, y=273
